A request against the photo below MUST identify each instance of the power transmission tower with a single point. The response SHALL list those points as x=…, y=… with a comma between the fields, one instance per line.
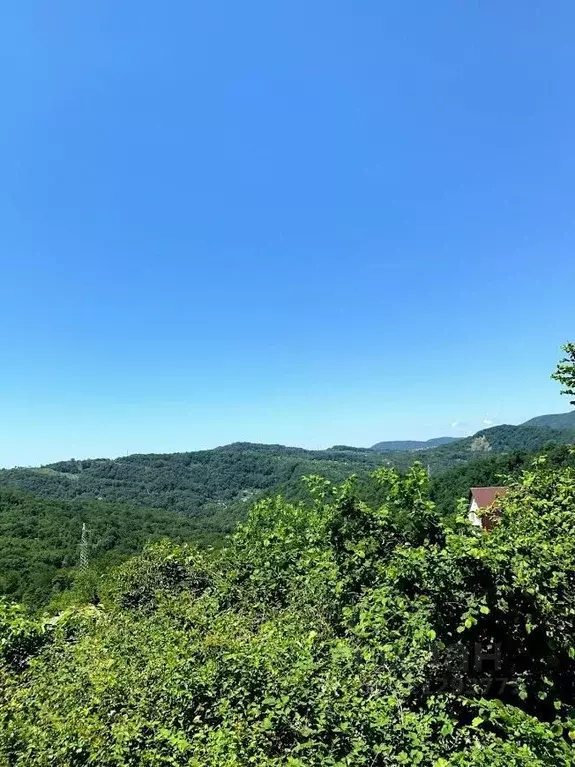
x=84, y=546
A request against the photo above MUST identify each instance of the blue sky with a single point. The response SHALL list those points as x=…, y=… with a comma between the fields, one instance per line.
x=297, y=222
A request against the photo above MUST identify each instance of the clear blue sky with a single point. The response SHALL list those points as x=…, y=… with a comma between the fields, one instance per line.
x=304, y=222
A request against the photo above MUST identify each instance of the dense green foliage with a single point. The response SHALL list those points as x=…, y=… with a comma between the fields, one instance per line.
x=214, y=484
x=39, y=540
x=565, y=372
x=329, y=633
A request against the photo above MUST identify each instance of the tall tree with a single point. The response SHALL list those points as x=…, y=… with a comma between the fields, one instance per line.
x=565, y=372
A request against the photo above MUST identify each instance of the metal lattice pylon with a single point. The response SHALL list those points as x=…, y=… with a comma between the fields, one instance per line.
x=84, y=546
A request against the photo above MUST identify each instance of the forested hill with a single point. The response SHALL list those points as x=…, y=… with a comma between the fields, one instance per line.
x=497, y=439
x=39, y=539
x=219, y=484
x=520, y=438
x=554, y=421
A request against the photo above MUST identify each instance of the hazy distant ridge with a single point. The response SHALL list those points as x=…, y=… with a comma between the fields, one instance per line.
x=411, y=444
x=552, y=421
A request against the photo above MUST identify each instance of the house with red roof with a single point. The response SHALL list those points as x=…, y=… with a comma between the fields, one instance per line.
x=482, y=499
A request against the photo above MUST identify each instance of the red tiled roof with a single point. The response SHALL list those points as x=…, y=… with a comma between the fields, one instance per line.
x=484, y=496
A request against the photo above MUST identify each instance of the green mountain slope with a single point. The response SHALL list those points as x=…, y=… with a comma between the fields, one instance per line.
x=39, y=539
x=497, y=439
x=216, y=485
x=554, y=421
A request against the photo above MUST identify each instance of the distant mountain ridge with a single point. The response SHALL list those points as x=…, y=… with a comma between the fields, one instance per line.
x=497, y=439
x=218, y=484
x=558, y=421
x=554, y=421
x=411, y=444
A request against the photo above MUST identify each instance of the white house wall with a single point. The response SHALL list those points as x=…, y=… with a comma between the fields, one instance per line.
x=471, y=514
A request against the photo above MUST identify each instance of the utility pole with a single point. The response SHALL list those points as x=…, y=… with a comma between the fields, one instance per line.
x=84, y=547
